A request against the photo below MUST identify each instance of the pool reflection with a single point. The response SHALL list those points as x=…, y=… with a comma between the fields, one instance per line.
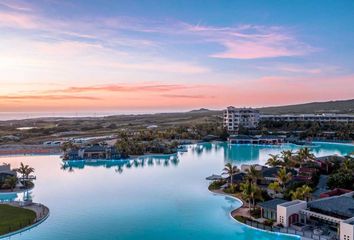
x=120, y=165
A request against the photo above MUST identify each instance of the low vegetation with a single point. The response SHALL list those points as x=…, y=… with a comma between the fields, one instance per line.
x=14, y=218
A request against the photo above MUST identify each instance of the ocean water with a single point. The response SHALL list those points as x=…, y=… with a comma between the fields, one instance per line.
x=146, y=198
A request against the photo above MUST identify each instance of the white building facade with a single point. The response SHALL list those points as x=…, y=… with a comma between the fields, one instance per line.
x=236, y=117
x=331, y=212
x=288, y=213
x=347, y=229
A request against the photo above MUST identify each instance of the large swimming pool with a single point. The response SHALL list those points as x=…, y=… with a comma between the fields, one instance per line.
x=150, y=198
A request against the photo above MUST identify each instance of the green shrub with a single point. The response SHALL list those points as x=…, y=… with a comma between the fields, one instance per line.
x=268, y=222
x=215, y=185
x=256, y=213
x=231, y=189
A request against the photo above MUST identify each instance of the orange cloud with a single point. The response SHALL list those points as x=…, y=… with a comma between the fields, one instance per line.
x=265, y=91
x=45, y=97
x=129, y=88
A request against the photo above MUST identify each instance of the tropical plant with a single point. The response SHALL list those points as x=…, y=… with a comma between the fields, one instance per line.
x=348, y=165
x=301, y=193
x=10, y=182
x=283, y=178
x=29, y=171
x=342, y=179
x=251, y=192
x=253, y=174
x=22, y=170
x=274, y=160
x=230, y=170
x=67, y=146
x=275, y=187
x=287, y=156
x=25, y=171
x=305, y=154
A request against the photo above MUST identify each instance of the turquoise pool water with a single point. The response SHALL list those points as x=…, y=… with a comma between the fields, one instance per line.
x=149, y=198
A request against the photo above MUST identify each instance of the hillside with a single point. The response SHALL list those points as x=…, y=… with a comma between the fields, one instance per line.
x=340, y=106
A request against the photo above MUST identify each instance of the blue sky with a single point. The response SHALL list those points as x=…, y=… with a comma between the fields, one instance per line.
x=173, y=55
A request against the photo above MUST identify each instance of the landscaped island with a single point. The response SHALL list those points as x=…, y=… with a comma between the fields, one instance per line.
x=18, y=215
x=298, y=193
x=122, y=148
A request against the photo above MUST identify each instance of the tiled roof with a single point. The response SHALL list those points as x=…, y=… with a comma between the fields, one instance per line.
x=272, y=204
x=341, y=206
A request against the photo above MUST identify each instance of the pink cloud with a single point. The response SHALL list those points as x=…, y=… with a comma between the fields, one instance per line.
x=8, y=19
x=265, y=91
x=46, y=97
x=16, y=5
x=129, y=88
x=251, y=41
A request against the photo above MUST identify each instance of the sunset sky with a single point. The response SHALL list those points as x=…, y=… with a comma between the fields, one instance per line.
x=100, y=55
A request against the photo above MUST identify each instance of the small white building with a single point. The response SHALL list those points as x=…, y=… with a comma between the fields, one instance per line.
x=347, y=229
x=289, y=212
x=335, y=213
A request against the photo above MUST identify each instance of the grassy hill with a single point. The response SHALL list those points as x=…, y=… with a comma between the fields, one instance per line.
x=340, y=106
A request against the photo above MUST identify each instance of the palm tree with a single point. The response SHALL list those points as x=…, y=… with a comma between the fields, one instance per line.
x=296, y=195
x=306, y=191
x=29, y=171
x=230, y=170
x=22, y=170
x=287, y=156
x=246, y=189
x=302, y=193
x=10, y=182
x=275, y=187
x=253, y=174
x=25, y=171
x=273, y=160
x=251, y=192
x=304, y=154
x=283, y=178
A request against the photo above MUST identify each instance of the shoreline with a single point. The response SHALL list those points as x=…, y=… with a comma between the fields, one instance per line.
x=232, y=214
x=38, y=149
x=42, y=213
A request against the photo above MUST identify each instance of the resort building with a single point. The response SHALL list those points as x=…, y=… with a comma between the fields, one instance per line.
x=326, y=163
x=269, y=174
x=236, y=117
x=343, y=118
x=93, y=152
x=269, y=208
x=246, y=167
x=5, y=171
x=288, y=212
x=259, y=139
x=347, y=229
x=334, y=213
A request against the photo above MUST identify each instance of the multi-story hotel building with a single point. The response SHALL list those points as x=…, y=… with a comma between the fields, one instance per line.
x=236, y=117
x=249, y=118
x=344, y=118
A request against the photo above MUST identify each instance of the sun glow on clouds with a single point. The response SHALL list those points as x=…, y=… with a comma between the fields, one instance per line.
x=106, y=63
